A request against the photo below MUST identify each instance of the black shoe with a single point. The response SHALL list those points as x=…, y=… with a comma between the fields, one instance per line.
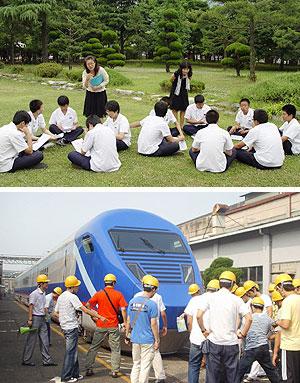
x=114, y=374
x=61, y=142
x=49, y=364
x=89, y=372
x=28, y=364
x=39, y=166
x=160, y=381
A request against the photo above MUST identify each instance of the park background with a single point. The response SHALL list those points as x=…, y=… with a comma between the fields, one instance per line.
x=243, y=48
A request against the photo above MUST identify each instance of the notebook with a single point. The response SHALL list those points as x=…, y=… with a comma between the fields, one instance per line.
x=95, y=81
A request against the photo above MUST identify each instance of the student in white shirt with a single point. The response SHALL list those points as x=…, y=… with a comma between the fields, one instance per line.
x=100, y=141
x=264, y=142
x=118, y=124
x=64, y=120
x=243, y=119
x=170, y=118
x=212, y=147
x=155, y=139
x=195, y=116
x=290, y=130
x=37, y=119
x=15, y=152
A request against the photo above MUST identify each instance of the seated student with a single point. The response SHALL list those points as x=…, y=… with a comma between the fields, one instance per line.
x=169, y=117
x=195, y=116
x=119, y=125
x=290, y=130
x=15, y=152
x=243, y=119
x=64, y=119
x=101, y=142
x=155, y=139
x=266, y=142
x=212, y=147
x=38, y=122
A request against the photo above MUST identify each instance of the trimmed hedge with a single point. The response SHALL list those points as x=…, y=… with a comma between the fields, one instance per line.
x=2, y=65
x=114, y=63
x=17, y=69
x=196, y=86
x=116, y=56
x=48, y=70
x=74, y=75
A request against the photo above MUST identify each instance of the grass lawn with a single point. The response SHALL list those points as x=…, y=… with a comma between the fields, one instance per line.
x=136, y=170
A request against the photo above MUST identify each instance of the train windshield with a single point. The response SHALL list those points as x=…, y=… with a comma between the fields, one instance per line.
x=147, y=241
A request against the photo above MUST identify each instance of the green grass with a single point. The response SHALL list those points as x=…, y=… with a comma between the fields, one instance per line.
x=136, y=170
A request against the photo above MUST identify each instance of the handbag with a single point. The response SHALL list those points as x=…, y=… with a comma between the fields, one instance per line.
x=128, y=335
x=118, y=312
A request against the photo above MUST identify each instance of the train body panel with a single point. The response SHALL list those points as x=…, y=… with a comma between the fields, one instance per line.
x=129, y=244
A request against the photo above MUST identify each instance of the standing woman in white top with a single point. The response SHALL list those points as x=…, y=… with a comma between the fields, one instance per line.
x=95, y=97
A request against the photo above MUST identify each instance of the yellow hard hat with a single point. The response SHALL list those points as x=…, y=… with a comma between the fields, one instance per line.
x=110, y=278
x=283, y=278
x=248, y=285
x=296, y=282
x=276, y=296
x=42, y=278
x=234, y=288
x=213, y=284
x=228, y=275
x=194, y=288
x=240, y=292
x=272, y=287
x=257, y=301
x=149, y=280
x=57, y=290
x=72, y=281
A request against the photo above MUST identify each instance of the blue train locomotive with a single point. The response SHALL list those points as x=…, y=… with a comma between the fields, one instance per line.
x=129, y=244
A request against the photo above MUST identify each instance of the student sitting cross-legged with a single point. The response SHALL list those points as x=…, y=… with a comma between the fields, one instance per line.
x=100, y=141
x=264, y=142
x=64, y=119
x=290, y=130
x=243, y=119
x=155, y=139
x=169, y=118
x=15, y=152
x=118, y=124
x=212, y=147
x=195, y=116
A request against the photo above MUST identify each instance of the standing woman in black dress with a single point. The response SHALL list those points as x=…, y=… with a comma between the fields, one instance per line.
x=179, y=90
x=95, y=98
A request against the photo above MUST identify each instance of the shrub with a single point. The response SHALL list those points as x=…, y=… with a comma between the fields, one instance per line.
x=196, y=86
x=163, y=51
x=2, y=65
x=114, y=63
x=228, y=62
x=116, y=47
x=172, y=36
x=87, y=53
x=176, y=46
x=109, y=37
x=16, y=69
x=170, y=26
x=175, y=55
x=102, y=61
x=116, y=56
x=96, y=46
x=107, y=51
x=93, y=40
x=117, y=79
x=173, y=62
x=74, y=75
x=87, y=47
x=170, y=14
x=48, y=69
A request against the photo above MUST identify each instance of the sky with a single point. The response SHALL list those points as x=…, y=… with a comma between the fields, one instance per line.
x=34, y=222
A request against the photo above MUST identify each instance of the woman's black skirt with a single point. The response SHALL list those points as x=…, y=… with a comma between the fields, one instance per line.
x=94, y=103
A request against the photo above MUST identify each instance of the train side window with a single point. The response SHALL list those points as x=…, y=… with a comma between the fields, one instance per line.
x=87, y=244
x=188, y=274
x=136, y=270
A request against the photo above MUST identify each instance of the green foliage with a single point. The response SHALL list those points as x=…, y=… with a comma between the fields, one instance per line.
x=228, y=62
x=196, y=86
x=117, y=79
x=116, y=47
x=175, y=55
x=109, y=37
x=107, y=51
x=48, y=70
x=116, y=56
x=170, y=26
x=170, y=14
x=96, y=46
x=2, y=65
x=74, y=75
x=176, y=46
x=237, y=49
x=87, y=53
x=163, y=51
x=87, y=47
x=114, y=63
x=172, y=36
x=217, y=267
x=102, y=60
x=93, y=40
x=17, y=69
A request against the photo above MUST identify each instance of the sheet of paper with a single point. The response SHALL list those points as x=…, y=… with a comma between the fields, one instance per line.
x=236, y=137
x=182, y=145
x=77, y=144
x=40, y=142
x=181, y=326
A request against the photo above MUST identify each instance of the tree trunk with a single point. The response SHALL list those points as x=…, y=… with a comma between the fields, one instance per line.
x=167, y=68
x=44, y=38
x=12, y=46
x=252, y=50
x=122, y=39
x=281, y=67
x=70, y=62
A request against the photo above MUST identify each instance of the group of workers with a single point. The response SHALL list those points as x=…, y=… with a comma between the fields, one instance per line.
x=230, y=328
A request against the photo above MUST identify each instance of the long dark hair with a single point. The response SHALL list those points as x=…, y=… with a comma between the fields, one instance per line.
x=185, y=64
x=97, y=66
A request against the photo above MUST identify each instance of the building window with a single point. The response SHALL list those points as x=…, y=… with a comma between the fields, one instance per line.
x=255, y=273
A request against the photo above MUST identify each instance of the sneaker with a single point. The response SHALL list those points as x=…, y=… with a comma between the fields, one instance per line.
x=39, y=166
x=89, y=372
x=70, y=380
x=249, y=380
x=61, y=142
x=79, y=377
x=48, y=145
x=114, y=374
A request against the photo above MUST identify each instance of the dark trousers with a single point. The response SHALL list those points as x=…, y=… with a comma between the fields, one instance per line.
x=121, y=145
x=195, y=359
x=229, y=159
x=24, y=160
x=191, y=129
x=70, y=367
x=165, y=149
x=218, y=356
x=237, y=132
x=174, y=132
x=71, y=136
x=287, y=146
x=80, y=160
x=249, y=159
x=262, y=355
x=290, y=364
